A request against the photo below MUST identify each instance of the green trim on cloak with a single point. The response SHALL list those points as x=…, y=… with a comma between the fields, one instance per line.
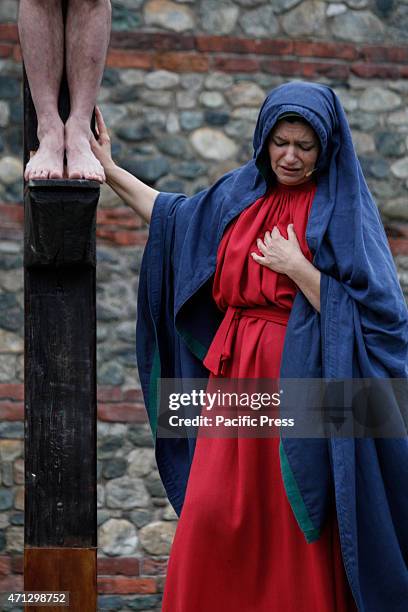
x=198, y=349
x=153, y=392
x=295, y=499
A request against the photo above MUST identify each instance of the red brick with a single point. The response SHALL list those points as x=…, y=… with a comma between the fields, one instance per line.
x=306, y=69
x=244, y=45
x=118, y=58
x=11, y=411
x=109, y=394
x=133, y=395
x=181, y=62
x=126, y=566
x=12, y=233
x=305, y=48
x=370, y=71
x=149, y=41
x=9, y=32
x=17, y=56
x=4, y=566
x=122, y=413
x=123, y=238
x=12, y=584
x=12, y=212
x=120, y=216
x=121, y=584
x=379, y=53
x=6, y=50
x=235, y=64
x=399, y=246
x=17, y=564
x=11, y=391
x=153, y=567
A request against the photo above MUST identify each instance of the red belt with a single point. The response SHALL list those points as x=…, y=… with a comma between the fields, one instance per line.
x=221, y=347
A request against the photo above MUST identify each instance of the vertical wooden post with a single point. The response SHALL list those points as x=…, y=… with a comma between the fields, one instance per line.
x=60, y=381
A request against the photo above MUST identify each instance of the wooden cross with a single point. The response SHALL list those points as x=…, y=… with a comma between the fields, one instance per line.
x=60, y=548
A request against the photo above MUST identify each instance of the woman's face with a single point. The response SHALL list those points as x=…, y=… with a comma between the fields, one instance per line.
x=293, y=151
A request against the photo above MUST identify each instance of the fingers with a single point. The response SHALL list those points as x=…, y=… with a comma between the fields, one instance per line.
x=258, y=258
x=291, y=233
x=100, y=123
x=261, y=246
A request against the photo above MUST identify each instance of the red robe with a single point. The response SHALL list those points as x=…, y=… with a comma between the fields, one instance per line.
x=238, y=547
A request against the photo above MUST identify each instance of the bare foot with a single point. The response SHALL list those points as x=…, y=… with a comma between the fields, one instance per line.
x=81, y=162
x=48, y=161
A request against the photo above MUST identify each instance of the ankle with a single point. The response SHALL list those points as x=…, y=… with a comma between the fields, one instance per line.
x=50, y=126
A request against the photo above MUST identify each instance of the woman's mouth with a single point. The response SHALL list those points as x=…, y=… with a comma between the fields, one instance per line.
x=290, y=169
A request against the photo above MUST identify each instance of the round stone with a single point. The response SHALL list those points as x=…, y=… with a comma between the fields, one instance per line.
x=246, y=93
x=147, y=170
x=141, y=462
x=15, y=539
x=218, y=17
x=216, y=118
x=162, y=79
x=357, y=26
x=307, y=19
x=134, y=131
x=189, y=169
x=281, y=6
x=10, y=449
x=10, y=343
x=377, y=99
x=250, y=3
x=126, y=493
x=169, y=513
x=219, y=80
x=12, y=430
x=398, y=118
x=400, y=168
x=363, y=142
x=140, y=435
x=140, y=517
x=396, y=209
x=157, y=537
x=11, y=314
x=191, y=120
x=174, y=146
x=11, y=170
x=110, y=373
x=6, y=499
x=260, y=22
x=212, y=99
x=117, y=537
x=349, y=102
x=168, y=15
x=4, y=113
x=390, y=144
x=8, y=11
x=173, y=124
x=213, y=144
x=114, y=468
x=335, y=9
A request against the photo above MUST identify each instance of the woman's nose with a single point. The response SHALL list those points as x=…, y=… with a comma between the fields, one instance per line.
x=290, y=154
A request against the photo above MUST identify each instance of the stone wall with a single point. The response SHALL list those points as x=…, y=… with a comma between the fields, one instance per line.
x=181, y=92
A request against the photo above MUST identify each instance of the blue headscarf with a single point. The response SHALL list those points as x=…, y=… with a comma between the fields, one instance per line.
x=361, y=331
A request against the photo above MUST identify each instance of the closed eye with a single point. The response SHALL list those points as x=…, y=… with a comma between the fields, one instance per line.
x=282, y=144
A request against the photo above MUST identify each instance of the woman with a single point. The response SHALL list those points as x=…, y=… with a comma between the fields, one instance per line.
x=282, y=268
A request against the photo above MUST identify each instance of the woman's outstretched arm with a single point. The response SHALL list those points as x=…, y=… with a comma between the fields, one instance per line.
x=131, y=190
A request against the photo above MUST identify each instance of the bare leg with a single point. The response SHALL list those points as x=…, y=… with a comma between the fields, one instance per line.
x=87, y=39
x=42, y=40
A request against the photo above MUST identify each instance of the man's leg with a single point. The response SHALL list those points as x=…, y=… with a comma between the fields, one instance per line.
x=87, y=38
x=42, y=41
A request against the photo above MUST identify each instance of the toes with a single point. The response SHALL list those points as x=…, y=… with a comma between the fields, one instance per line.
x=55, y=173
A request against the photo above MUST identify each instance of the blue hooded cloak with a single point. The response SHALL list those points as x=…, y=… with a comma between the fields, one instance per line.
x=361, y=331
